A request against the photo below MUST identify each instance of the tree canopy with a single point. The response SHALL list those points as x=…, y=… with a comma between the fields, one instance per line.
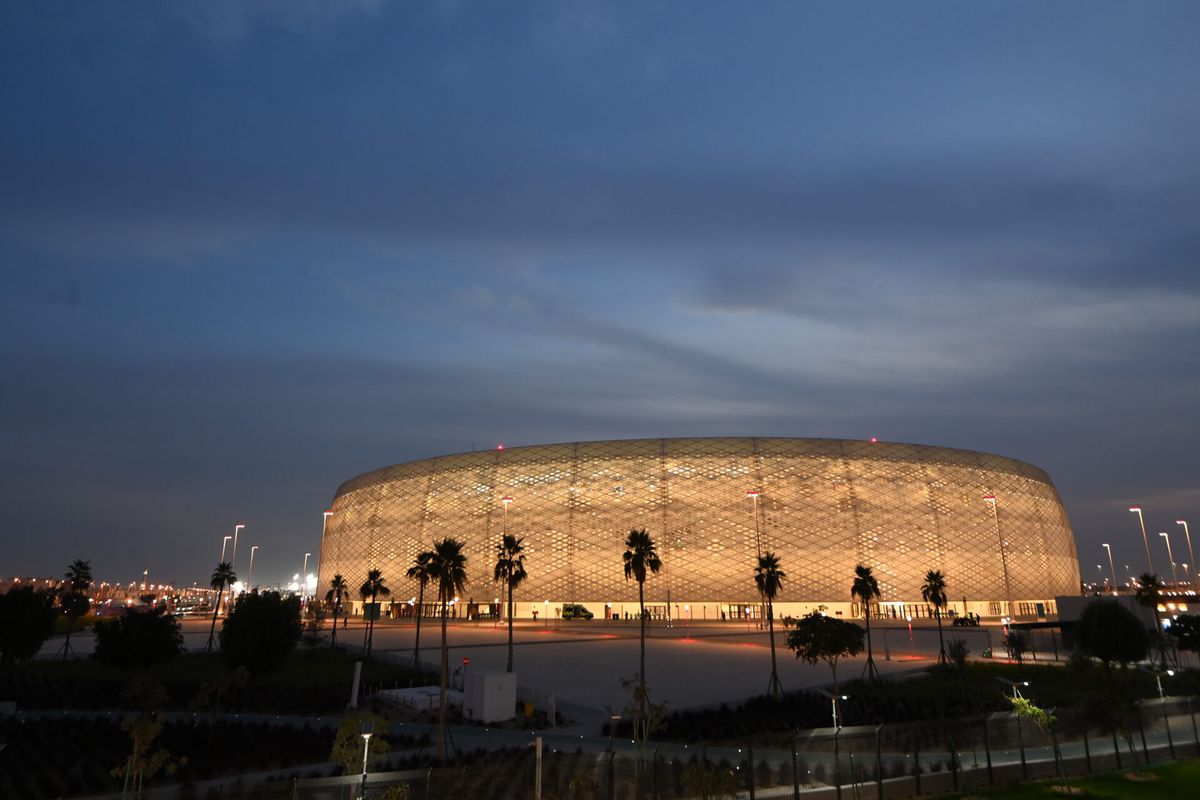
x=1111, y=632
x=26, y=621
x=260, y=631
x=138, y=639
x=817, y=637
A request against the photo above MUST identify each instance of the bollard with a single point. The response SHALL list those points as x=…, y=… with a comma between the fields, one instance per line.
x=354, y=684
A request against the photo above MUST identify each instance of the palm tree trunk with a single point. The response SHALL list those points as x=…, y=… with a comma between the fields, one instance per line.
x=370, y=627
x=213, y=629
x=510, y=591
x=942, y=659
x=417, y=643
x=441, y=734
x=872, y=673
x=775, y=688
x=640, y=735
x=67, y=644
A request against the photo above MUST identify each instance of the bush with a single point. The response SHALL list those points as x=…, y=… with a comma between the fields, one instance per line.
x=260, y=631
x=138, y=639
x=26, y=621
x=1111, y=632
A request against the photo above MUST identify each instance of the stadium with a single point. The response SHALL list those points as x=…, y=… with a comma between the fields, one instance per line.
x=995, y=527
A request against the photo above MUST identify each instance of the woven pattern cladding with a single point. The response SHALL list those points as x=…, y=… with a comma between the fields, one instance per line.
x=824, y=506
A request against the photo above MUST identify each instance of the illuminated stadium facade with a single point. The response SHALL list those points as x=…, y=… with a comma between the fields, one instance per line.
x=821, y=505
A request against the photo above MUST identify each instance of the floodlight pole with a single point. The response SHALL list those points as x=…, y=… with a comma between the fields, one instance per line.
x=1145, y=539
x=991, y=501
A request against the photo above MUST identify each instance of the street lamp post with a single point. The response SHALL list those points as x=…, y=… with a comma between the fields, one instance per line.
x=1170, y=557
x=754, y=494
x=1145, y=539
x=236, y=528
x=368, y=728
x=224, y=543
x=1191, y=555
x=250, y=577
x=991, y=501
x=145, y=579
x=1111, y=567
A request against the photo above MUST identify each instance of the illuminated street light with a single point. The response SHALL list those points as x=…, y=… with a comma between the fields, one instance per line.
x=304, y=570
x=250, y=577
x=236, y=528
x=1145, y=539
x=1191, y=555
x=224, y=543
x=1170, y=557
x=991, y=501
x=1111, y=567
x=367, y=729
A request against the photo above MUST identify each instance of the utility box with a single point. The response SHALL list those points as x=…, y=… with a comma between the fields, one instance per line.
x=490, y=696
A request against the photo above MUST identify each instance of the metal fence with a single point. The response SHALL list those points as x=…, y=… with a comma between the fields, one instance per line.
x=864, y=762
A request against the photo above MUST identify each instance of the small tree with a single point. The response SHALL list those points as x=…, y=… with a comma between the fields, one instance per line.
x=933, y=590
x=419, y=572
x=768, y=577
x=222, y=576
x=641, y=558
x=373, y=587
x=260, y=631
x=510, y=570
x=817, y=637
x=866, y=589
x=338, y=593
x=26, y=622
x=448, y=569
x=348, y=743
x=1047, y=723
x=138, y=639
x=1017, y=644
x=1149, y=586
x=73, y=598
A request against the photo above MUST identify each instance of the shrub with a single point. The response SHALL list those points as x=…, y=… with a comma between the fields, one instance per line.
x=138, y=639
x=260, y=631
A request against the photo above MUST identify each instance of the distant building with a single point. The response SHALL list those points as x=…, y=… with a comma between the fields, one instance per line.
x=712, y=505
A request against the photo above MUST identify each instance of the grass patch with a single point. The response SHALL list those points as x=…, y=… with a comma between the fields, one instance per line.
x=1173, y=781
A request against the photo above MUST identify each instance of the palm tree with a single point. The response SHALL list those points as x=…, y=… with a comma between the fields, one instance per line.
x=933, y=591
x=640, y=555
x=222, y=576
x=866, y=588
x=338, y=593
x=373, y=587
x=419, y=571
x=1149, y=586
x=74, y=600
x=448, y=568
x=768, y=577
x=510, y=568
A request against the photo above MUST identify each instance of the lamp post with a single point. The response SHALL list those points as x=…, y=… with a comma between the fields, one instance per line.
x=1191, y=555
x=753, y=494
x=991, y=501
x=1111, y=567
x=304, y=573
x=1170, y=557
x=1145, y=539
x=236, y=528
x=145, y=579
x=224, y=543
x=368, y=728
x=250, y=577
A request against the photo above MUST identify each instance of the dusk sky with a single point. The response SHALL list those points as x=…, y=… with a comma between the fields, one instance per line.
x=249, y=250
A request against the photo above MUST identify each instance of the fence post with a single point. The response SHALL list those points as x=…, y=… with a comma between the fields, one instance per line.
x=1021, y=745
x=1142, y=730
x=917, y=758
x=1087, y=750
x=954, y=763
x=1167, y=725
x=750, y=767
x=837, y=770
x=1054, y=643
x=1117, y=747
x=878, y=763
x=987, y=748
x=1195, y=733
x=795, y=769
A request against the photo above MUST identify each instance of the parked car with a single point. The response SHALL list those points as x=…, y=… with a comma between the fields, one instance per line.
x=575, y=611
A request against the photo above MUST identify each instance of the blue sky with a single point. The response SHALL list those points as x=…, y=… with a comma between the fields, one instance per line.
x=249, y=249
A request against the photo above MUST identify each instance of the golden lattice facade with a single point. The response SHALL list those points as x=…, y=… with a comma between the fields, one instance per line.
x=822, y=506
